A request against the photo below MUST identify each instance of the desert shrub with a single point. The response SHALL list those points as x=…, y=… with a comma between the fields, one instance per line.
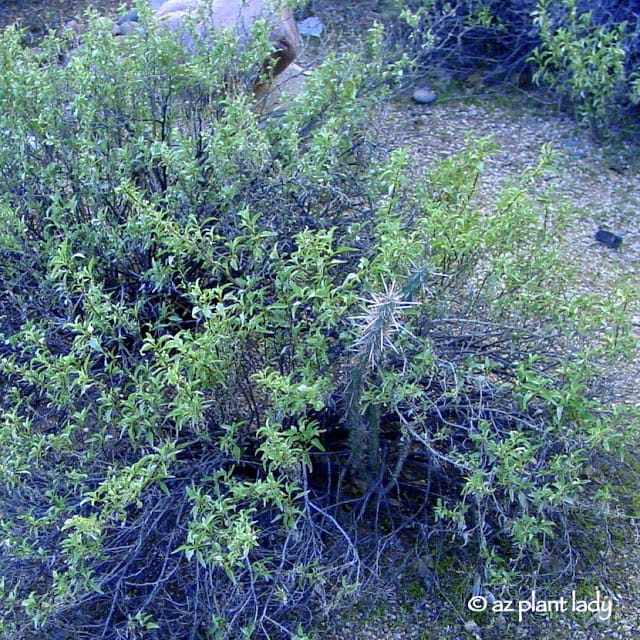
x=456, y=361
x=156, y=277
x=587, y=53
x=228, y=339
x=465, y=36
x=586, y=61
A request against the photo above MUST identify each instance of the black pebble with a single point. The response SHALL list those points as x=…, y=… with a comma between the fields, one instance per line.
x=608, y=238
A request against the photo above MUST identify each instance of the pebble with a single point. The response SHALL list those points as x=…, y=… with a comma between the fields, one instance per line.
x=573, y=148
x=608, y=238
x=424, y=95
x=311, y=26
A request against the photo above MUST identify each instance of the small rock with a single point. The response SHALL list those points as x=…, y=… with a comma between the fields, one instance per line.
x=425, y=95
x=132, y=16
x=311, y=26
x=126, y=24
x=32, y=141
x=473, y=628
x=608, y=238
x=573, y=148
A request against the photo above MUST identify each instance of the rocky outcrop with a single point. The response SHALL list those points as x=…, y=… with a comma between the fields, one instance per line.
x=203, y=18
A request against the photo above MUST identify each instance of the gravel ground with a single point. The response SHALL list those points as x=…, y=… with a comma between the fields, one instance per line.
x=604, y=186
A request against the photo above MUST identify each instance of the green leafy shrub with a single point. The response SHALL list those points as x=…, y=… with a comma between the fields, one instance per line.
x=586, y=53
x=584, y=62
x=498, y=427
x=199, y=300
x=156, y=277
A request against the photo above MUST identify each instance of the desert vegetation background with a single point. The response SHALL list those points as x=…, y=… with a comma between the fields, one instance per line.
x=339, y=366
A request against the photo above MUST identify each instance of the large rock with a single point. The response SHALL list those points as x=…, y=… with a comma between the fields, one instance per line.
x=278, y=97
x=209, y=16
x=203, y=18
